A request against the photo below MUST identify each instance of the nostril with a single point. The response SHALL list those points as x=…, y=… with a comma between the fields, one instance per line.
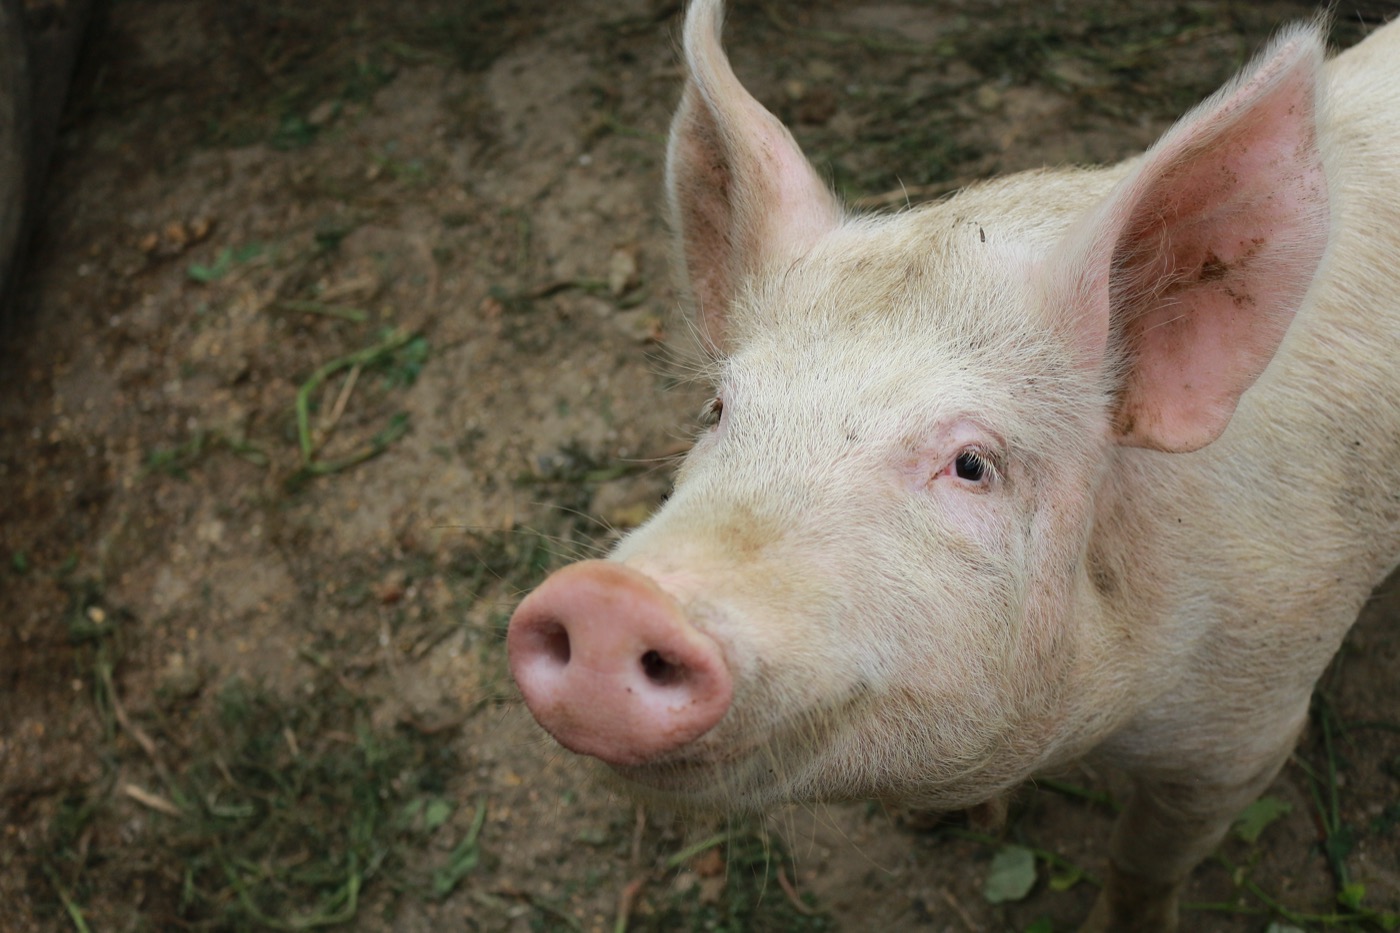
x=660, y=671
x=553, y=640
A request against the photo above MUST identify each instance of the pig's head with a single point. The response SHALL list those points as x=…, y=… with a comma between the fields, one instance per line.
x=873, y=577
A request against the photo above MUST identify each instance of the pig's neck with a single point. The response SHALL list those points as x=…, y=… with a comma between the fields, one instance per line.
x=1098, y=641
x=1128, y=617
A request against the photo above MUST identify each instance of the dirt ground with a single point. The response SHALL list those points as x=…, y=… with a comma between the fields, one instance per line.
x=346, y=321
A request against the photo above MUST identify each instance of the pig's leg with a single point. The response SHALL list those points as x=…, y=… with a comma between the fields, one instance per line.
x=1172, y=821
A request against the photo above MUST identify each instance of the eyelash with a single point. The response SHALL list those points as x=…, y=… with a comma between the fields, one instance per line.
x=710, y=414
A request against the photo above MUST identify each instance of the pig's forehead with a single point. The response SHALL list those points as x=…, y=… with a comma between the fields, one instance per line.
x=941, y=324
x=800, y=382
x=898, y=293
x=799, y=392
x=805, y=371
x=967, y=263
x=931, y=310
x=924, y=275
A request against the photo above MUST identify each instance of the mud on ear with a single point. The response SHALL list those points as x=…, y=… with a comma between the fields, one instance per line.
x=1190, y=271
x=741, y=193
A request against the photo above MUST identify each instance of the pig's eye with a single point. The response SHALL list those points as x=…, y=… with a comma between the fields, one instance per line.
x=972, y=465
x=709, y=415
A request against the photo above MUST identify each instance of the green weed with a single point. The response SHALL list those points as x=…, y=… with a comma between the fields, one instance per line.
x=178, y=460
x=399, y=356
x=276, y=816
x=288, y=809
x=758, y=895
x=224, y=263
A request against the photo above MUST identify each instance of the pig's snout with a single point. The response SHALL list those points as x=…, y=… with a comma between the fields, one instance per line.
x=610, y=667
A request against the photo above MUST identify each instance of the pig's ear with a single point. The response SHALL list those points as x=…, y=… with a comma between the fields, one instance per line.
x=741, y=194
x=1188, y=274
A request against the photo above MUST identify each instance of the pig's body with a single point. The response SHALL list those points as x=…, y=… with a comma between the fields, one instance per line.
x=935, y=542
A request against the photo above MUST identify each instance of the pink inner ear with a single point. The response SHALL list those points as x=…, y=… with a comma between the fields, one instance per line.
x=742, y=194
x=701, y=207
x=1223, y=227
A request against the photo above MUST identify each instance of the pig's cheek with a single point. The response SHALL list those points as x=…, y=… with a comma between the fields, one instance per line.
x=707, y=444
x=978, y=514
x=976, y=511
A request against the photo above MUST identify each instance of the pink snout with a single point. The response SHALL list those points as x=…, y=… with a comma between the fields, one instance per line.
x=611, y=668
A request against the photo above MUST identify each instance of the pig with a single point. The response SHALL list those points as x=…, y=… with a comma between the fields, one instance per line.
x=1077, y=464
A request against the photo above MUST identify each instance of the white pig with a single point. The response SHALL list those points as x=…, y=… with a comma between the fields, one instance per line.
x=1075, y=464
